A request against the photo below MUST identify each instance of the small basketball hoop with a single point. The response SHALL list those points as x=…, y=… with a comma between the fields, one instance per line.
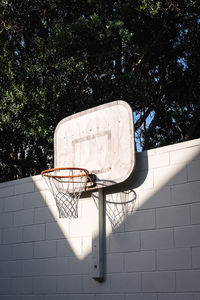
x=66, y=185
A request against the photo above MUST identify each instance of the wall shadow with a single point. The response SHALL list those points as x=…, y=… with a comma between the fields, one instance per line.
x=44, y=257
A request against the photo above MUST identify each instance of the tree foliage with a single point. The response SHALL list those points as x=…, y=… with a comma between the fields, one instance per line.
x=61, y=57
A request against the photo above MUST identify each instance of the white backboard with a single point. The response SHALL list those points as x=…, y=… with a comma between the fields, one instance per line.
x=100, y=139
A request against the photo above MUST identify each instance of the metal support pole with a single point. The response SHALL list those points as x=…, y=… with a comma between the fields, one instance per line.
x=98, y=241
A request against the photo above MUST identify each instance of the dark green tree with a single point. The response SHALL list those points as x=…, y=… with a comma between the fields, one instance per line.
x=61, y=57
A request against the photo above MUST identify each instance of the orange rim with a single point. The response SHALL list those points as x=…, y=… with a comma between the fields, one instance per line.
x=44, y=173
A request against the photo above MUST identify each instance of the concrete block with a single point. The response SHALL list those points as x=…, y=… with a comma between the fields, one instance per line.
x=40, y=184
x=13, y=203
x=158, y=160
x=12, y=235
x=43, y=215
x=193, y=170
x=69, y=247
x=114, y=262
x=81, y=297
x=24, y=187
x=171, y=175
x=23, y=297
x=45, y=249
x=53, y=231
x=22, y=285
x=87, y=245
x=5, y=252
x=140, y=261
x=22, y=251
x=187, y=236
x=174, y=259
x=6, y=220
x=88, y=207
x=184, y=154
x=124, y=242
x=196, y=257
x=140, y=220
x=173, y=216
x=49, y=198
x=70, y=297
x=158, y=282
x=57, y=266
x=156, y=197
x=6, y=191
x=69, y=284
x=185, y=193
x=33, y=267
x=46, y=267
x=32, y=200
x=175, y=296
x=51, y=214
x=126, y=282
x=141, y=296
x=195, y=213
x=23, y=217
x=80, y=227
x=57, y=296
x=188, y=281
x=44, y=285
x=157, y=239
x=94, y=287
x=10, y=268
x=5, y=287
x=1, y=205
x=109, y=297
x=80, y=265
x=34, y=233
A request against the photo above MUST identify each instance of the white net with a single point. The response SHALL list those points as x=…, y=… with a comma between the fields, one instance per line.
x=66, y=186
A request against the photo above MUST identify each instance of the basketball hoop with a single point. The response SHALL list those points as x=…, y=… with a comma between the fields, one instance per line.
x=66, y=185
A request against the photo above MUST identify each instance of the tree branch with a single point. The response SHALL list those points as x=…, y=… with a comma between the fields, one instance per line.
x=153, y=125
x=137, y=64
x=195, y=124
x=141, y=120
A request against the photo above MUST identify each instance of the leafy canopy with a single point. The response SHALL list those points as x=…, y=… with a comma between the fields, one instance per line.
x=61, y=57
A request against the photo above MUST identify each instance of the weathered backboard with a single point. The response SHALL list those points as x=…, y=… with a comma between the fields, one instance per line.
x=100, y=140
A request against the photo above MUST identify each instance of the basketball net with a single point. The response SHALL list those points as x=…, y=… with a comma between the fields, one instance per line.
x=66, y=185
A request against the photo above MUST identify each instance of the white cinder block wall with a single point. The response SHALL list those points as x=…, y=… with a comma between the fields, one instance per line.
x=154, y=253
